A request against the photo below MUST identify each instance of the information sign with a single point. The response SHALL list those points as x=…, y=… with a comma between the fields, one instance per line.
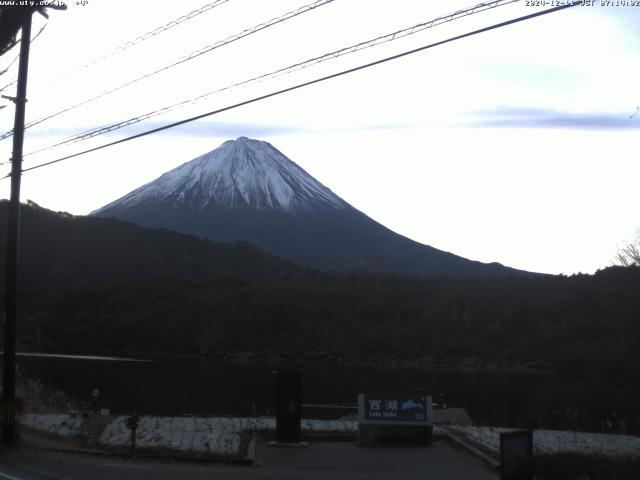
x=398, y=409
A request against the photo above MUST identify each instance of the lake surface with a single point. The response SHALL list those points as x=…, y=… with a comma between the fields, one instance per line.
x=206, y=386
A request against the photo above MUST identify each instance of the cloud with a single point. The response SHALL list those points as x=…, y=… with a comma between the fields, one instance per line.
x=214, y=129
x=195, y=129
x=522, y=117
x=204, y=129
x=225, y=129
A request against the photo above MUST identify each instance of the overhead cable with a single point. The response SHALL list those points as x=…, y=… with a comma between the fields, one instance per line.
x=190, y=56
x=282, y=71
x=15, y=59
x=145, y=36
x=308, y=83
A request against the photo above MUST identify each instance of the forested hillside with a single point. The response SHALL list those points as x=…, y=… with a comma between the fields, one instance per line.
x=101, y=285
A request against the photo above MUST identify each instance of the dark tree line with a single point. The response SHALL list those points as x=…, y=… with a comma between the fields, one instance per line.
x=92, y=284
x=578, y=323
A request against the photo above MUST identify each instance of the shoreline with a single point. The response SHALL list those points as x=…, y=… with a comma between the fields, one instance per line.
x=322, y=358
x=394, y=361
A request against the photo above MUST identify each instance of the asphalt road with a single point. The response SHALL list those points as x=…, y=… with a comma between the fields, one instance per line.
x=321, y=460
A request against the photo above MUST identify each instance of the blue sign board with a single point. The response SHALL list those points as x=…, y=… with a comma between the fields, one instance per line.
x=399, y=409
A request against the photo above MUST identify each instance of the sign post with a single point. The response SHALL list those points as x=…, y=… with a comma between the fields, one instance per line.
x=394, y=418
x=132, y=424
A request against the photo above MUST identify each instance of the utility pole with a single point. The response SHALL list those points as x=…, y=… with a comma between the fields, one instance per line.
x=13, y=235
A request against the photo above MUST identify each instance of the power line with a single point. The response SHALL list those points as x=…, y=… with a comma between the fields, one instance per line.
x=289, y=69
x=311, y=82
x=6, y=69
x=139, y=39
x=15, y=80
x=145, y=36
x=190, y=56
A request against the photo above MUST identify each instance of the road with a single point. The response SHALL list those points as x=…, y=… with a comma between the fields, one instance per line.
x=321, y=460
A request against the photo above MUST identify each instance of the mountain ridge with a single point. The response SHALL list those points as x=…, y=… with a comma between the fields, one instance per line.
x=247, y=190
x=60, y=250
x=256, y=175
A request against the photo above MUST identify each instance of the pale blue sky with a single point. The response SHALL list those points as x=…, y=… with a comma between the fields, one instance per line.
x=514, y=146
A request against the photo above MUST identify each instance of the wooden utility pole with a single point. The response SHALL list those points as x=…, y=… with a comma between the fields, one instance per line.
x=13, y=235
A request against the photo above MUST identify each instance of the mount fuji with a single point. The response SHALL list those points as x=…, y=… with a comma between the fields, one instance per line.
x=247, y=190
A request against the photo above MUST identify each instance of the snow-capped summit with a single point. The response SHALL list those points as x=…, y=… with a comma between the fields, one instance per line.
x=246, y=190
x=239, y=173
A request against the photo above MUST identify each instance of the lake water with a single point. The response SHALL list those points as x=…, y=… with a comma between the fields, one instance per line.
x=206, y=386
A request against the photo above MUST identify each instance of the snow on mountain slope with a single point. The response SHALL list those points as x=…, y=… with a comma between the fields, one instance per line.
x=246, y=190
x=239, y=173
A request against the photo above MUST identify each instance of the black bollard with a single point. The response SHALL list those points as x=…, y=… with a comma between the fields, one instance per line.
x=516, y=455
x=288, y=406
